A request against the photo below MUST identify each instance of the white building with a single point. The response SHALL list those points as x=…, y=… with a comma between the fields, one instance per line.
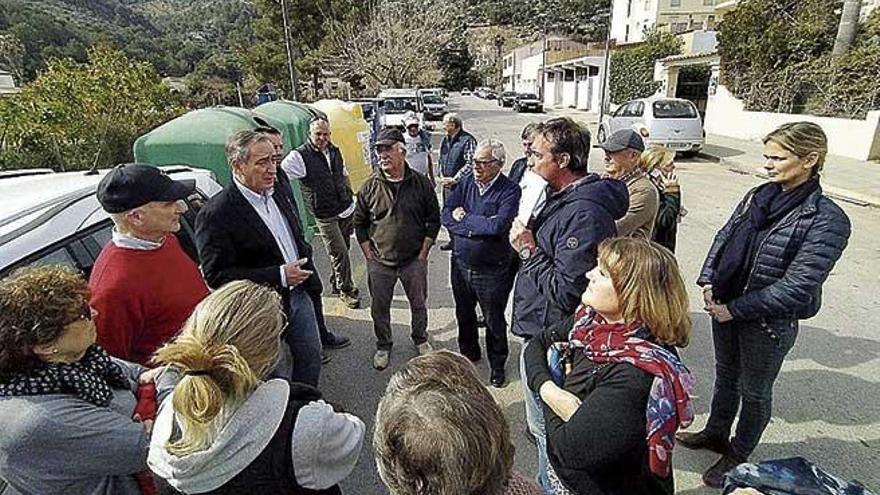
x=631, y=18
x=7, y=84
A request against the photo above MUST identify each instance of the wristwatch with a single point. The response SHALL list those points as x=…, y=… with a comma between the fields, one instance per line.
x=525, y=253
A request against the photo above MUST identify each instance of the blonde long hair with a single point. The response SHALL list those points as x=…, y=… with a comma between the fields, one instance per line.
x=649, y=287
x=227, y=346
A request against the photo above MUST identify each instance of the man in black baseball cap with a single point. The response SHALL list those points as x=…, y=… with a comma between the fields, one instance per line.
x=623, y=151
x=144, y=285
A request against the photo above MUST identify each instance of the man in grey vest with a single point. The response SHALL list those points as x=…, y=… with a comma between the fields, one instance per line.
x=327, y=191
x=456, y=156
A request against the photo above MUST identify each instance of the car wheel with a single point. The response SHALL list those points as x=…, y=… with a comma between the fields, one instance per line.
x=600, y=134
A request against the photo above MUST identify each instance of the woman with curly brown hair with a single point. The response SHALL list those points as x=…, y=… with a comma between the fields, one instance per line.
x=66, y=406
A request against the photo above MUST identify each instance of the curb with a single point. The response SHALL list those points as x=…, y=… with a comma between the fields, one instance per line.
x=839, y=193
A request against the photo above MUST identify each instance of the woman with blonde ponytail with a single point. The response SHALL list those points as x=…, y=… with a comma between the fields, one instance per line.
x=229, y=429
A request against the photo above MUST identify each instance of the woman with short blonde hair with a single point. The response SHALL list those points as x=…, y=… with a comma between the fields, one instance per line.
x=226, y=428
x=763, y=273
x=603, y=371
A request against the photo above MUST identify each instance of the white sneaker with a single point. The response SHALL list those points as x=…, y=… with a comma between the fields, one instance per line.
x=380, y=359
x=424, y=348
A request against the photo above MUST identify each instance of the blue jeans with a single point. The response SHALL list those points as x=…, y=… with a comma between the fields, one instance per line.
x=489, y=288
x=748, y=357
x=301, y=335
x=535, y=421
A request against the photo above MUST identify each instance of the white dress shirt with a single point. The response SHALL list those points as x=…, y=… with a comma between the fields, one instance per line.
x=295, y=167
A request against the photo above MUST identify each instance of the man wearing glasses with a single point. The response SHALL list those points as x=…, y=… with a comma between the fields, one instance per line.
x=478, y=214
x=396, y=221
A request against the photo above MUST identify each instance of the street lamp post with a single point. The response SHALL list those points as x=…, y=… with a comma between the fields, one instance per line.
x=293, y=83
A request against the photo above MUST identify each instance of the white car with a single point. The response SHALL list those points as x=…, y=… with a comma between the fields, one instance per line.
x=399, y=103
x=55, y=218
x=671, y=122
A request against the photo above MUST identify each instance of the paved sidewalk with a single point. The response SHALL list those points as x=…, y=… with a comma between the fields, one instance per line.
x=843, y=178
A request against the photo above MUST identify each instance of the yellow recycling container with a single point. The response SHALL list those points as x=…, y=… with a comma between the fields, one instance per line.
x=351, y=133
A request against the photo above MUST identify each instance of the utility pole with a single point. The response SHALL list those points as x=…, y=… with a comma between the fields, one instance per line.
x=293, y=83
x=499, y=43
x=605, y=68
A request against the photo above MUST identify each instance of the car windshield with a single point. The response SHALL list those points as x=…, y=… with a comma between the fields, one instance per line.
x=508, y=93
x=400, y=105
x=432, y=99
x=672, y=109
x=527, y=96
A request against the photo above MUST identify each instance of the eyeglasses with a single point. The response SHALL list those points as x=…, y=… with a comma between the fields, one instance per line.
x=484, y=163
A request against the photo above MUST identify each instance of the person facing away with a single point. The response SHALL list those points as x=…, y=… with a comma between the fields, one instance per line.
x=227, y=428
x=659, y=163
x=613, y=388
x=439, y=431
x=622, y=152
x=143, y=284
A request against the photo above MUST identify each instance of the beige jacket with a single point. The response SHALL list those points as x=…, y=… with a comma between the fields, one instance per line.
x=644, y=200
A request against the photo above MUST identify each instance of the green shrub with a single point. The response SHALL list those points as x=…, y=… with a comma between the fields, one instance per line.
x=632, y=69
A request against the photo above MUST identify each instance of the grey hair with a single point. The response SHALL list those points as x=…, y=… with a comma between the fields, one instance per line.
x=529, y=130
x=452, y=117
x=318, y=120
x=238, y=145
x=495, y=147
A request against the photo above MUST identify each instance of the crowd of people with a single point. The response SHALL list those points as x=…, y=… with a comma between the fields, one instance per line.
x=168, y=374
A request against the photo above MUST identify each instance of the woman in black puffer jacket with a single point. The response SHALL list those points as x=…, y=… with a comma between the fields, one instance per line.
x=763, y=273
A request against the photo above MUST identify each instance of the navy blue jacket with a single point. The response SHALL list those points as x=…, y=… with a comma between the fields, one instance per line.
x=481, y=237
x=457, y=153
x=567, y=233
x=518, y=169
x=791, y=263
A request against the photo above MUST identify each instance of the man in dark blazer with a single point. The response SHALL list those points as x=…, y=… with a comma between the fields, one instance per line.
x=251, y=231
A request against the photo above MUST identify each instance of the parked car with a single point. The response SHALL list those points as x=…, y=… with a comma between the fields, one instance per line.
x=55, y=218
x=465, y=92
x=399, y=102
x=528, y=102
x=671, y=122
x=490, y=94
x=481, y=91
x=435, y=107
x=506, y=98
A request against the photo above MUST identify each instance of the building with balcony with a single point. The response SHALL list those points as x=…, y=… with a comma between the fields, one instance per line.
x=630, y=19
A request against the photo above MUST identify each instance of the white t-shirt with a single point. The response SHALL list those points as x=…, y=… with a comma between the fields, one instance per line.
x=417, y=152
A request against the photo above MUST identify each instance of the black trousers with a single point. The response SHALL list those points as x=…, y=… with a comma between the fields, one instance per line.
x=490, y=289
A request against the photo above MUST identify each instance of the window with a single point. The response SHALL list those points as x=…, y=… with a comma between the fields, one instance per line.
x=674, y=109
x=675, y=3
x=708, y=2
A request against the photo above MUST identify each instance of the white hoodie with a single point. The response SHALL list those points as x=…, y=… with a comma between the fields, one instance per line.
x=326, y=444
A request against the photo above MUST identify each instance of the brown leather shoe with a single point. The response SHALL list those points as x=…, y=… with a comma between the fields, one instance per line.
x=703, y=441
x=714, y=476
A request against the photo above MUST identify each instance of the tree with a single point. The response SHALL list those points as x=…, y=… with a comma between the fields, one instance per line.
x=583, y=20
x=396, y=43
x=849, y=23
x=456, y=64
x=78, y=115
x=12, y=56
x=632, y=69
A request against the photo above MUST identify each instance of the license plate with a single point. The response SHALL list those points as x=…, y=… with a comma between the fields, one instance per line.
x=679, y=146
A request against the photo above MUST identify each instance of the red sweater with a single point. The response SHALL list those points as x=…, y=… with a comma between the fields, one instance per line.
x=143, y=297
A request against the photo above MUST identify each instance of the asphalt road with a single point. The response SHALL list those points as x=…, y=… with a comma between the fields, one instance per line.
x=827, y=401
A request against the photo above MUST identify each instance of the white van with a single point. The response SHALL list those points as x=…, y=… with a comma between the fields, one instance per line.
x=399, y=102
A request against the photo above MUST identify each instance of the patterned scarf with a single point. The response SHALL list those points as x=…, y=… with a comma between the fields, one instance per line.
x=91, y=379
x=669, y=403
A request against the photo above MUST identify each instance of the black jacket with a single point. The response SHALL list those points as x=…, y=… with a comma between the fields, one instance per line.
x=602, y=449
x=666, y=225
x=792, y=261
x=235, y=244
x=567, y=233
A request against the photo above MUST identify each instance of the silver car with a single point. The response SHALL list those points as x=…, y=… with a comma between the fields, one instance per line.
x=55, y=218
x=671, y=122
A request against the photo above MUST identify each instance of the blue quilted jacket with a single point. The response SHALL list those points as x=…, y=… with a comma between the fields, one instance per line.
x=792, y=261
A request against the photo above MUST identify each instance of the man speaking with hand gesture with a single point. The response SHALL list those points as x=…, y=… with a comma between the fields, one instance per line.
x=252, y=231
